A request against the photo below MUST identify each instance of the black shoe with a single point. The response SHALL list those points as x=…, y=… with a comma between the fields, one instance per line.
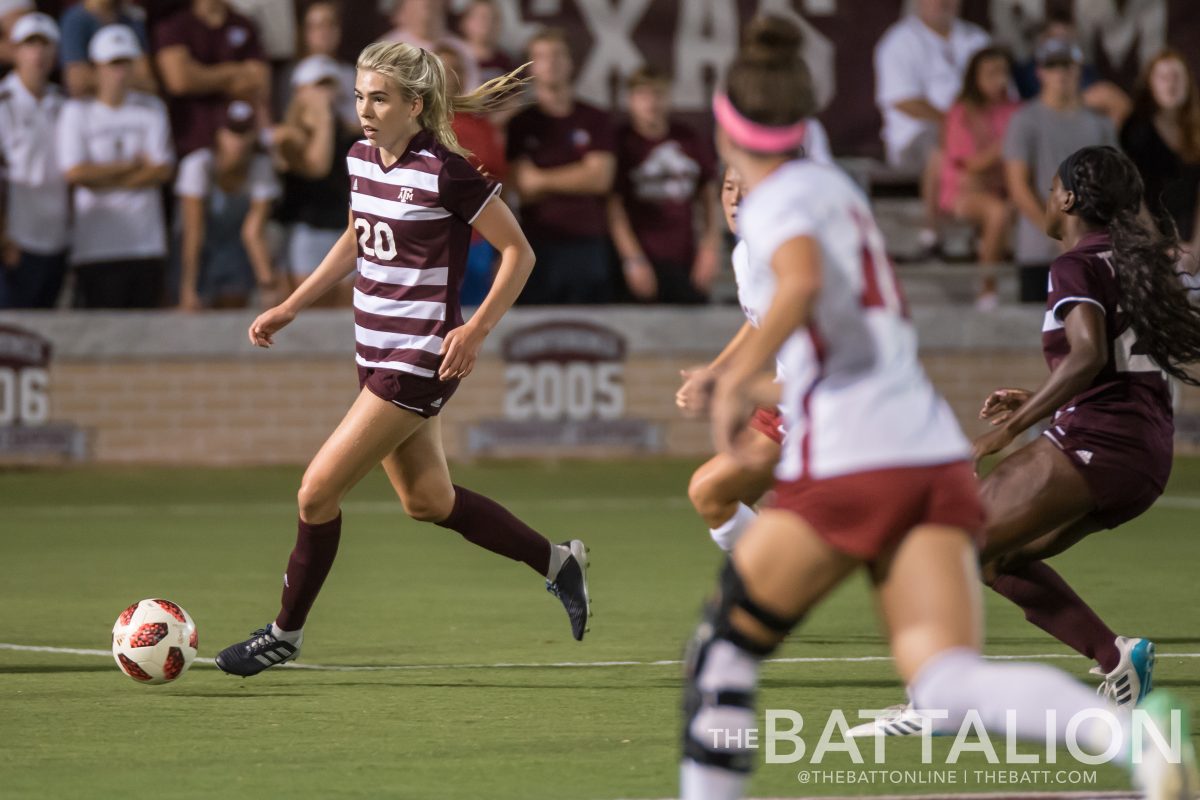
x=570, y=586
x=260, y=651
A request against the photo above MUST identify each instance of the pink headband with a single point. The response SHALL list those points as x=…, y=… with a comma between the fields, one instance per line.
x=755, y=136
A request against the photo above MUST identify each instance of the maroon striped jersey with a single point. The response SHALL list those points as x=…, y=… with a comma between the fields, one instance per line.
x=413, y=221
x=1130, y=382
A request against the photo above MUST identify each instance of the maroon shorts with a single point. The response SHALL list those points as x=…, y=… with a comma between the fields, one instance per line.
x=865, y=514
x=1125, y=458
x=424, y=396
x=768, y=422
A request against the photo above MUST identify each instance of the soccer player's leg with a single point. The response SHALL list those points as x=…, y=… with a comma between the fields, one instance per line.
x=935, y=634
x=779, y=570
x=1124, y=664
x=420, y=476
x=1039, y=504
x=724, y=491
x=371, y=429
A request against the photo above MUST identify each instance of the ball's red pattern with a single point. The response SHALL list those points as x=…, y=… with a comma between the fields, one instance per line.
x=192, y=640
x=132, y=669
x=172, y=609
x=174, y=664
x=127, y=614
x=148, y=635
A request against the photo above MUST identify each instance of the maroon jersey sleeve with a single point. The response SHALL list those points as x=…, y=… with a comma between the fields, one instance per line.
x=464, y=190
x=171, y=31
x=1076, y=278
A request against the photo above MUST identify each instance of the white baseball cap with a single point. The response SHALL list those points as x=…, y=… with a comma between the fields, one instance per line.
x=114, y=43
x=35, y=24
x=315, y=69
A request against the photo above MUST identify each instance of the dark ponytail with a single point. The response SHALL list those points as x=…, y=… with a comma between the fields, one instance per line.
x=1108, y=194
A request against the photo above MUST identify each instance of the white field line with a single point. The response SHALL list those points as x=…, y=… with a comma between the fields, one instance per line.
x=75, y=651
x=393, y=507
x=1118, y=795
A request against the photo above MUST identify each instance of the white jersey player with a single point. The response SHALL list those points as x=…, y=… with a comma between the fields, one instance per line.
x=875, y=473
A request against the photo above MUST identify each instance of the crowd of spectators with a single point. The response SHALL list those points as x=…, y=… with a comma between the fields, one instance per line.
x=984, y=135
x=196, y=159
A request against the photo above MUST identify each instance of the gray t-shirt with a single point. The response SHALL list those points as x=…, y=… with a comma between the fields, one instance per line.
x=1042, y=137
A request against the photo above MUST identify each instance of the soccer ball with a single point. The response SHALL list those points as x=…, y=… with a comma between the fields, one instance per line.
x=154, y=641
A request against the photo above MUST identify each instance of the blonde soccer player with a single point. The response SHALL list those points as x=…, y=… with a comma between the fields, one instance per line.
x=414, y=201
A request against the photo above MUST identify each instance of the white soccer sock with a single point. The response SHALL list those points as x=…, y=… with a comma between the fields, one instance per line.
x=960, y=680
x=291, y=637
x=726, y=667
x=731, y=530
x=698, y=782
x=559, y=553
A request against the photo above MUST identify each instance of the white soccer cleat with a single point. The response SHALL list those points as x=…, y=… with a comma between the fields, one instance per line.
x=900, y=720
x=1134, y=675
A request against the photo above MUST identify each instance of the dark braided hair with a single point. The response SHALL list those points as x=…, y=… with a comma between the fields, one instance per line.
x=1108, y=194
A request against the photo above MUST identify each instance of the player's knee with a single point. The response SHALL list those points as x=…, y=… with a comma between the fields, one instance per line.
x=316, y=501
x=710, y=508
x=429, y=506
x=743, y=620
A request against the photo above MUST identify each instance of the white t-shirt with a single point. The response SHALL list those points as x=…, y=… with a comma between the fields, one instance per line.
x=113, y=224
x=37, y=202
x=276, y=22
x=197, y=171
x=855, y=396
x=913, y=62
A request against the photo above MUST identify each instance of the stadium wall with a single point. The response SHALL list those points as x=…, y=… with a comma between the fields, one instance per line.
x=164, y=388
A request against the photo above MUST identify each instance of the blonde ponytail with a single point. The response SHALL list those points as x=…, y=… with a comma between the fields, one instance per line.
x=419, y=73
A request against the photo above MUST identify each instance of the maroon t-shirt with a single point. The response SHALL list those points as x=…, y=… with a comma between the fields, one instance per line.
x=498, y=64
x=195, y=118
x=659, y=181
x=1130, y=382
x=556, y=142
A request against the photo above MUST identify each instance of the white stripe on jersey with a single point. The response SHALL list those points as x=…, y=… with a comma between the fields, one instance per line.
x=395, y=365
x=398, y=177
x=393, y=209
x=417, y=309
x=397, y=341
x=403, y=276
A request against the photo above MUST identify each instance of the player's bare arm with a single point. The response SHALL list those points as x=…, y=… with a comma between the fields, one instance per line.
x=797, y=268
x=1084, y=327
x=497, y=224
x=337, y=264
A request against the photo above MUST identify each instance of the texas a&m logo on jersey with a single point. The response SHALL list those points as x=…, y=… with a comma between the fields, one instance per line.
x=406, y=194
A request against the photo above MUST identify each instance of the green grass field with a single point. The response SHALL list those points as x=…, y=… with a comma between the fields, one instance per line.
x=480, y=691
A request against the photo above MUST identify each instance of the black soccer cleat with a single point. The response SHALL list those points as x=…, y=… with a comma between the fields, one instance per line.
x=570, y=586
x=260, y=651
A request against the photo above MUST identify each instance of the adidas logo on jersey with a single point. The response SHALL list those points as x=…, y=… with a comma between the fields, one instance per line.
x=1085, y=456
x=354, y=185
x=436, y=403
x=406, y=194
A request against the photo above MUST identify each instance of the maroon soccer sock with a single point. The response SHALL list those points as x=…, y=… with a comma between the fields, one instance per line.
x=485, y=522
x=312, y=557
x=1053, y=606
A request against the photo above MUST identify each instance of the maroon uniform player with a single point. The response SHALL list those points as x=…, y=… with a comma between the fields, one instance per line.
x=414, y=202
x=1117, y=323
